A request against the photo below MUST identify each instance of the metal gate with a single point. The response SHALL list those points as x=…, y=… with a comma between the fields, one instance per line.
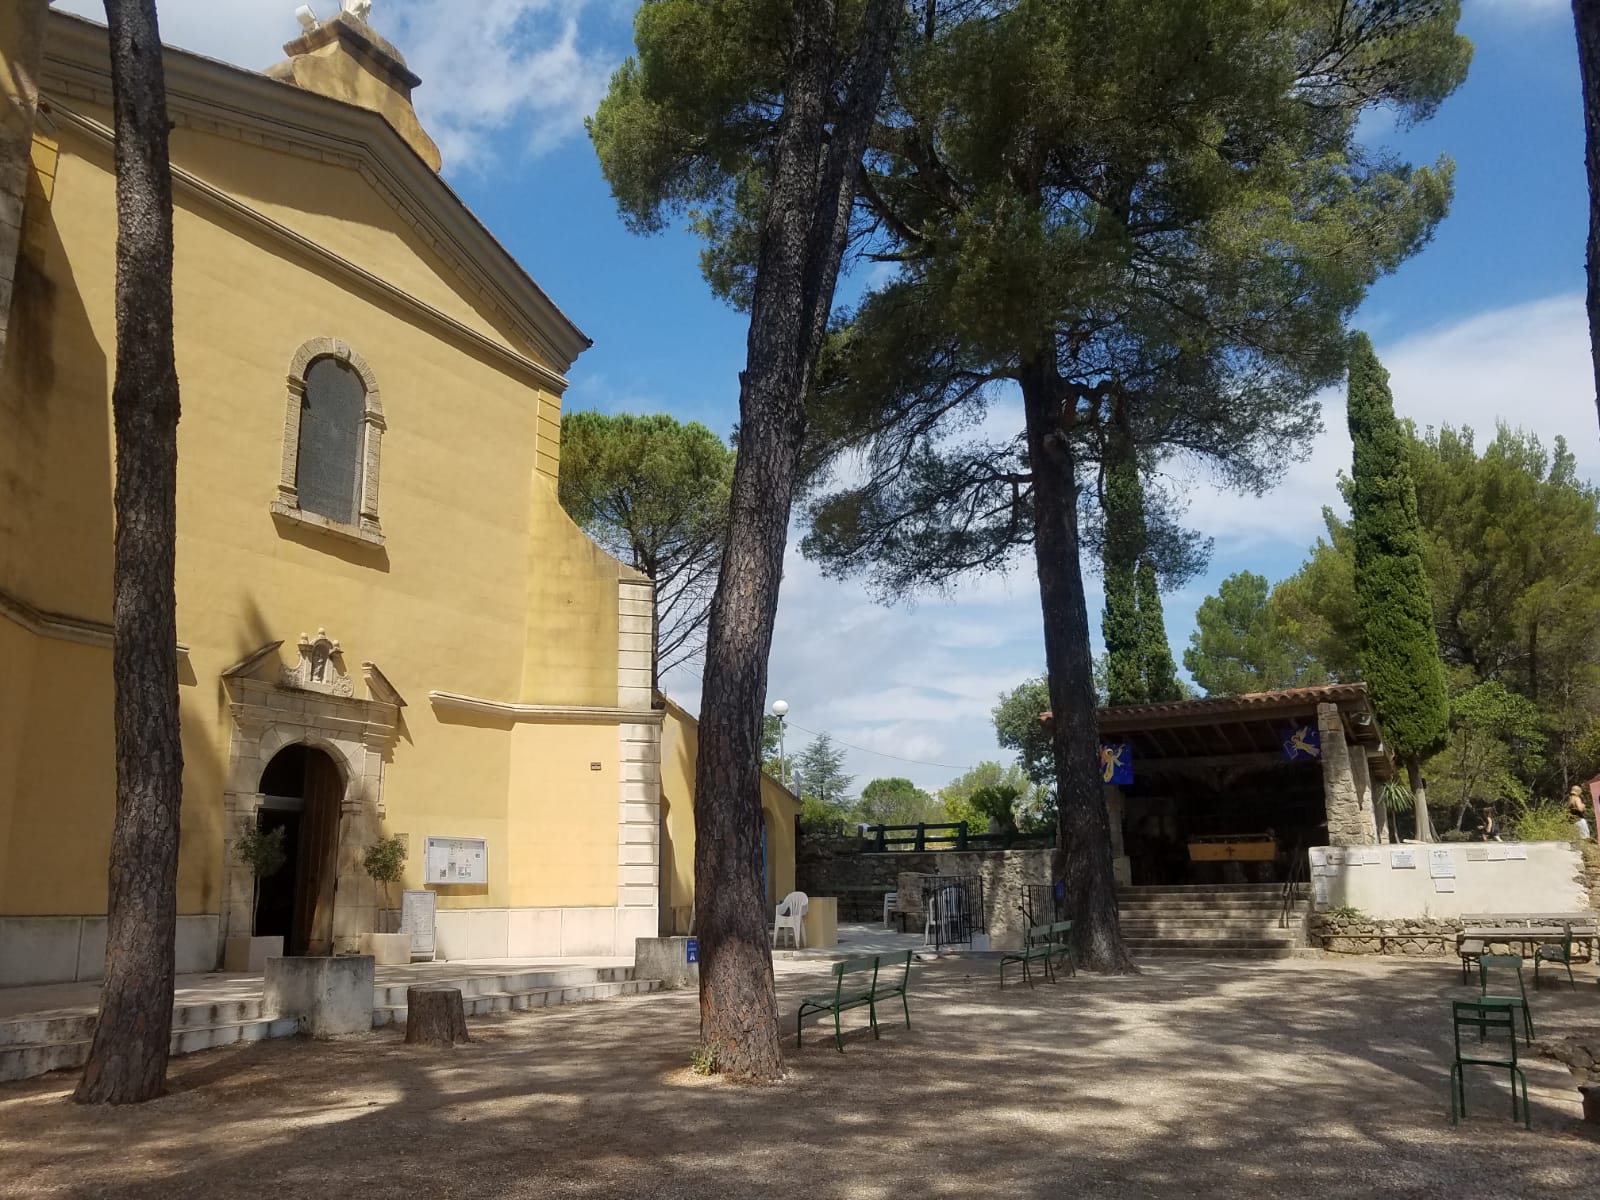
x=953, y=910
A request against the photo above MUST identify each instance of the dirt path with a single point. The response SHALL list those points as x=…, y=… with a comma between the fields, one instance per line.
x=1291, y=1078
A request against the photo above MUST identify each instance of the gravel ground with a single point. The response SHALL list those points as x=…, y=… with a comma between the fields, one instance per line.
x=1322, y=1078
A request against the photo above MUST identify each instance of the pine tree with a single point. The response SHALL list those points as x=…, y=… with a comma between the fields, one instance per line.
x=1400, y=649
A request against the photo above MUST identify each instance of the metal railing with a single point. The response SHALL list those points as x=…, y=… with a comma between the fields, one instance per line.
x=922, y=836
x=1297, y=876
x=953, y=909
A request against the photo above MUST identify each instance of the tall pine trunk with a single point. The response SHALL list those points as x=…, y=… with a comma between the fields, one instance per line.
x=1586, y=16
x=128, y=1058
x=1419, y=796
x=1083, y=851
x=817, y=160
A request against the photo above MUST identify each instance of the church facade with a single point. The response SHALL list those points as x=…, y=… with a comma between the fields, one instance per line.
x=388, y=626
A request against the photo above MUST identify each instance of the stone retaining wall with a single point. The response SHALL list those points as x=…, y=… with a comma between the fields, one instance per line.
x=1420, y=937
x=859, y=882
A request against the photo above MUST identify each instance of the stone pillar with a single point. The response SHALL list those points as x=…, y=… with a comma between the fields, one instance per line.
x=355, y=905
x=238, y=888
x=1121, y=867
x=21, y=51
x=1349, y=824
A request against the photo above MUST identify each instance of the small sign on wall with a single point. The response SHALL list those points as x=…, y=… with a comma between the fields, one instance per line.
x=417, y=918
x=456, y=860
x=1441, y=863
x=1402, y=860
x=691, y=950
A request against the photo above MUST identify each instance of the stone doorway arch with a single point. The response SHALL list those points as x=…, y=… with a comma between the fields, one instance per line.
x=318, y=711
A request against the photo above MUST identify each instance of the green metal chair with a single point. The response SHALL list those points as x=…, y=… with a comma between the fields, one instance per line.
x=1485, y=1018
x=1561, y=954
x=1511, y=962
x=855, y=995
x=1061, y=935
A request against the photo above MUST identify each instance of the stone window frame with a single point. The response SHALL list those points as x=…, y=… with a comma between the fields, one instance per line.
x=287, y=502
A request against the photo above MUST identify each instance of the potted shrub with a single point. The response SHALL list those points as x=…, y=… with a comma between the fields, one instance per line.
x=384, y=862
x=262, y=853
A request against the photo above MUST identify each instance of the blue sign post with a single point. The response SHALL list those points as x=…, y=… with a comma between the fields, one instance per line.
x=692, y=950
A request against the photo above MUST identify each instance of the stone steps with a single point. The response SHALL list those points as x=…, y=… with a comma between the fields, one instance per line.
x=36, y=1043
x=486, y=1003
x=1209, y=920
x=55, y=1052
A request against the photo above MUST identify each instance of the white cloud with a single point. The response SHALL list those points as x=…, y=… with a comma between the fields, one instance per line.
x=1535, y=8
x=1527, y=365
x=524, y=70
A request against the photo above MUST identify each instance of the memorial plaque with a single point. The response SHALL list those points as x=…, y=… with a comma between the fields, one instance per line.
x=1442, y=863
x=450, y=860
x=1402, y=860
x=416, y=918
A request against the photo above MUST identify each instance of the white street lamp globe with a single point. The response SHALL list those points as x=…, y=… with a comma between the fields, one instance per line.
x=780, y=709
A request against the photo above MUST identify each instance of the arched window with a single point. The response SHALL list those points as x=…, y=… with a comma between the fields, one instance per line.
x=331, y=438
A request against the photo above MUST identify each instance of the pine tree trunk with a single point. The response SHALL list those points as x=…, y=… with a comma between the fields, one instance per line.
x=128, y=1058
x=1586, y=16
x=1083, y=852
x=1419, y=794
x=812, y=190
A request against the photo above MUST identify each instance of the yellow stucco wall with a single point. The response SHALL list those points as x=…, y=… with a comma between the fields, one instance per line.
x=483, y=587
x=563, y=815
x=779, y=808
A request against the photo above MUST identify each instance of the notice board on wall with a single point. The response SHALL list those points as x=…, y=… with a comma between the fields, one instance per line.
x=448, y=860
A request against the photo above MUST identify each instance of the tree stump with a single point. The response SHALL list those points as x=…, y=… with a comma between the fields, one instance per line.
x=434, y=1015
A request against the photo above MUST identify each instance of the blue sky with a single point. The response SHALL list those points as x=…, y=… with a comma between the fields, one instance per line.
x=1486, y=323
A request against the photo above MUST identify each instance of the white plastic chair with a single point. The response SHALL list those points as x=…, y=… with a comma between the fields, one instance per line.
x=890, y=900
x=791, y=915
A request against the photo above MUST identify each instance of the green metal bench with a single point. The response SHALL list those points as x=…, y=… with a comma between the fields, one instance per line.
x=1038, y=947
x=847, y=997
x=1061, y=936
x=885, y=987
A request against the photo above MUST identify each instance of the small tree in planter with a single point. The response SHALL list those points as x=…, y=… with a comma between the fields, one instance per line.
x=385, y=862
x=263, y=853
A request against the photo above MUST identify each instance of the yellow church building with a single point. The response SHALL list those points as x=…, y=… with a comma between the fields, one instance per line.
x=388, y=624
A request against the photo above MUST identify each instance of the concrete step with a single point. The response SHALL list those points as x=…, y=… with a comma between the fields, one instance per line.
x=1284, y=951
x=394, y=995
x=1223, y=904
x=24, y=1060
x=1206, y=945
x=485, y=1003
x=1206, y=929
x=1205, y=889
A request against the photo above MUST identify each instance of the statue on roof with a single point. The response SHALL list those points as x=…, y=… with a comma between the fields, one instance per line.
x=361, y=10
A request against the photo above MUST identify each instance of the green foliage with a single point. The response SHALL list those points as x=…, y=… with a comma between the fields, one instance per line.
x=1396, y=798
x=1346, y=912
x=772, y=747
x=654, y=493
x=1017, y=727
x=1546, y=823
x=1496, y=743
x=262, y=852
x=1033, y=807
x=704, y=1059
x=1239, y=645
x=1159, y=672
x=385, y=860
x=1399, y=651
x=818, y=774
x=896, y=801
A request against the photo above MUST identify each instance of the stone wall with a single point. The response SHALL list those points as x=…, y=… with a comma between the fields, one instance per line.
x=859, y=882
x=1420, y=937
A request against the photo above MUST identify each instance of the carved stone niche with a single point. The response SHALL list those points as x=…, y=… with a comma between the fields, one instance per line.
x=321, y=667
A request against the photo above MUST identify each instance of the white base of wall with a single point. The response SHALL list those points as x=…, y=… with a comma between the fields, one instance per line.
x=1483, y=878
x=541, y=932
x=67, y=949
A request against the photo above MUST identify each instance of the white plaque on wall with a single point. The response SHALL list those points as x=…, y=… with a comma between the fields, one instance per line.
x=416, y=918
x=449, y=860
x=1442, y=863
x=1402, y=859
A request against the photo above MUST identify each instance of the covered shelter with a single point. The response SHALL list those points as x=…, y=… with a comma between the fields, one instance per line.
x=1231, y=788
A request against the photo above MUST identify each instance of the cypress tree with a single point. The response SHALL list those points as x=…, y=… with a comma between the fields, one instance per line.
x=1159, y=672
x=1121, y=550
x=1400, y=648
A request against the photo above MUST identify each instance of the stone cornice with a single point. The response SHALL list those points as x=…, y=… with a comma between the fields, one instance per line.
x=185, y=183
x=59, y=626
x=508, y=711
x=214, y=97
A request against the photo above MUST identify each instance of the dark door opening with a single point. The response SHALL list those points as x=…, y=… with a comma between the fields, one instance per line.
x=301, y=790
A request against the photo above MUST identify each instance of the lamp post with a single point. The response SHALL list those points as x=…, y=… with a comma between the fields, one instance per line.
x=780, y=709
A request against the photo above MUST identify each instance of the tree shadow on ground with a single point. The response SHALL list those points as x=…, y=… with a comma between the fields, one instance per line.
x=1195, y=1079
